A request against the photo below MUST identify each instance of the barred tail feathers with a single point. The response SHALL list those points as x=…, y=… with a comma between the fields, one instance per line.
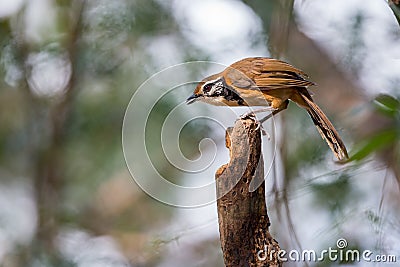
x=325, y=127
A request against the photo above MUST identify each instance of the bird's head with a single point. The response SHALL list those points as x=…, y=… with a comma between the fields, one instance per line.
x=209, y=90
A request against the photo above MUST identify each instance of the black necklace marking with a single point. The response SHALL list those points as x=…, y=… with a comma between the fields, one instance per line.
x=229, y=93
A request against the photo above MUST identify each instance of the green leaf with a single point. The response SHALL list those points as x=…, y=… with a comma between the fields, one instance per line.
x=387, y=105
x=376, y=142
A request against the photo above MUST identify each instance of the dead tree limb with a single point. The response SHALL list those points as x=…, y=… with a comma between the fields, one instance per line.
x=242, y=212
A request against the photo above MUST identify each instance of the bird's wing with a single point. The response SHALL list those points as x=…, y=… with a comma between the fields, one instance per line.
x=237, y=78
x=267, y=74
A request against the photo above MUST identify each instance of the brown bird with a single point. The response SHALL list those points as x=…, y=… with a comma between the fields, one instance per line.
x=261, y=81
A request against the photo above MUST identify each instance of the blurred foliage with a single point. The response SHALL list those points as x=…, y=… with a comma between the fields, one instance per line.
x=64, y=88
x=388, y=106
x=66, y=142
x=337, y=194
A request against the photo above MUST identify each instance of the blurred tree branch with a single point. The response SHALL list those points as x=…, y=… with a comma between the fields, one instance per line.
x=395, y=6
x=279, y=27
x=48, y=152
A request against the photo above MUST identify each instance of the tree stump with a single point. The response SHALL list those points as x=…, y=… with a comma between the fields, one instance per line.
x=242, y=213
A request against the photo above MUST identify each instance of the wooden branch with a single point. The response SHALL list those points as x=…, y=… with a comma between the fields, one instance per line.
x=242, y=212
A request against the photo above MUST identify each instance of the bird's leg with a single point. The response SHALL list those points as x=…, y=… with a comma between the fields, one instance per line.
x=257, y=111
x=259, y=123
x=273, y=113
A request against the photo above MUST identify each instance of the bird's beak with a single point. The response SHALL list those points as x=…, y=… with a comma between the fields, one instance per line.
x=192, y=99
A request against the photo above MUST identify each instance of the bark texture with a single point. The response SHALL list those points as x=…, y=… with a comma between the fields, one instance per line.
x=242, y=212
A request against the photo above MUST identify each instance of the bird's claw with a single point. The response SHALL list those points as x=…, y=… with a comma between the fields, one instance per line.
x=263, y=131
x=248, y=115
x=259, y=124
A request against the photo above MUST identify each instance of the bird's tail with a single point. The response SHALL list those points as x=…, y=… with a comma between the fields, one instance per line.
x=325, y=127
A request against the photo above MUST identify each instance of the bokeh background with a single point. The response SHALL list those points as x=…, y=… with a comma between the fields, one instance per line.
x=69, y=68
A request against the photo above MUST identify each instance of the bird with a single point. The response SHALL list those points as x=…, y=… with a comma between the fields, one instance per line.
x=268, y=82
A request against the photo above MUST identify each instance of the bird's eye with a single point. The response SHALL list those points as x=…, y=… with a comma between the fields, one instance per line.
x=207, y=88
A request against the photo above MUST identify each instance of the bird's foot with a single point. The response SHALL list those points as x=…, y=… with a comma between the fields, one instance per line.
x=252, y=115
x=263, y=131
